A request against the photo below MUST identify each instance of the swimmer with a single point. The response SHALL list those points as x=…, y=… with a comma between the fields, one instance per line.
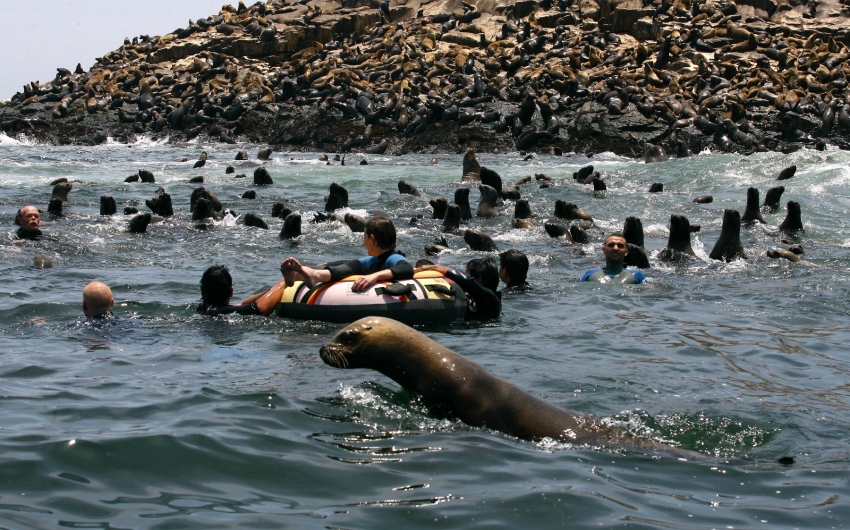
x=97, y=300
x=383, y=264
x=480, y=283
x=217, y=289
x=615, y=249
x=513, y=270
x=29, y=221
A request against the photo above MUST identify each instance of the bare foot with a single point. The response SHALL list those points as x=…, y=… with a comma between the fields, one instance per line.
x=291, y=269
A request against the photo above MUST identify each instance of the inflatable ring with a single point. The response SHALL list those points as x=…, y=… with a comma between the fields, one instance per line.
x=428, y=298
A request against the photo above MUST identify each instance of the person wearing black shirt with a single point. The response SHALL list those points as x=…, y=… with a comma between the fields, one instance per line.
x=217, y=290
x=479, y=283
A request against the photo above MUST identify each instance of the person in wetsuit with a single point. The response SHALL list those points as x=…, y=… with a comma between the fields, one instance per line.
x=217, y=289
x=29, y=222
x=513, y=270
x=382, y=264
x=615, y=248
x=480, y=283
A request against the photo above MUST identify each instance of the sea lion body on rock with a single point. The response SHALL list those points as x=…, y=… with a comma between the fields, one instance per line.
x=728, y=245
x=461, y=388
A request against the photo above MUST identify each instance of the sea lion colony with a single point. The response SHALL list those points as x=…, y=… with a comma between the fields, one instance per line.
x=571, y=75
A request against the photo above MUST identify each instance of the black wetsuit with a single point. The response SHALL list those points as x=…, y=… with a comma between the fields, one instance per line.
x=484, y=304
x=20, y=233
x=392, y=260
x=244, y=309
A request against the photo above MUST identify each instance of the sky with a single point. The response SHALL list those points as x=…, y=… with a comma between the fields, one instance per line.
x=36, y=38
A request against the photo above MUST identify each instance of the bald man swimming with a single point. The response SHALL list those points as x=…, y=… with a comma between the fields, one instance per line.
x=97, y=300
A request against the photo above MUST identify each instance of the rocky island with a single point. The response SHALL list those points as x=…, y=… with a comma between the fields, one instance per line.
x=399, y=76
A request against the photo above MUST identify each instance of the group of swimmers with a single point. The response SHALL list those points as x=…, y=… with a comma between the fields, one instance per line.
x=384, y=263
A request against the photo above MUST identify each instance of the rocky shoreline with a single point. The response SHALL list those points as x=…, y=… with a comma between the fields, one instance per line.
x=554, y=76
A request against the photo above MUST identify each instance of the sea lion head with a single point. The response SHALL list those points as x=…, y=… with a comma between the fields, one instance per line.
x=360, y=343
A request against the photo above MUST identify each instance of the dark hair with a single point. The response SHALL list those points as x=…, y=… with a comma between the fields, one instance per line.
x=422, y=262
x=516, y=263
x=615, y=234
x=485, y=271
x=384, y=231
x=215, y=286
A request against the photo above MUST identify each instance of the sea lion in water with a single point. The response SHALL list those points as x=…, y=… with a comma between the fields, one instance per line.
x=471, y=167
x=787, y=173
x=459, y=387
x=357, y=223
x=262, y=177
x=478, y=240
x=55, y=208
x=703, y=199
x=728, y=245
x=451, y=219
x=250, y=194
x=752, y=213
x=291, y=226
x=40, y=261
x=462, y=200
x=655, y=153
x=337, y=198
x=61, y=190
x=407, y=188
x=439, y=204
x=146, y=176
x=107, y=205
x=202, y=192
x=633, y=234
x=792, y=220
x=522, y=210
x=656, y=187
x=679, y=240
x=139, y=224
x=568, y=210
x=772, y=197
x=492, y=179
x=251, y=219
x=487, y=203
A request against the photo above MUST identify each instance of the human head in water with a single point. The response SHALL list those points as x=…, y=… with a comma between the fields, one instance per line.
x=97, y=299
x=485, y=272
x=383, y=231
x=28, y=219
x=216, y=286
x=513, y=268
x=615, y=249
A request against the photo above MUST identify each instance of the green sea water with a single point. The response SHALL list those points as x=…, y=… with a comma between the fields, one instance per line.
x=170, y=420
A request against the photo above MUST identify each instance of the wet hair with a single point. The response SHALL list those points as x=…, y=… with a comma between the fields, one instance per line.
x=422, y=262
x=384, y=231
x=516, y=263
x=615, y=234
x=215, y=286
x=20, y=215
x=485, y=271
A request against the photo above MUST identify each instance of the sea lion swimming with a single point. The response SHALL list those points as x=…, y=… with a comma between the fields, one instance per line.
x=679, y=240
x=337, y=198
x=107, y=205
x=451, y=219
x=461, y=388
x=478, y=240
x=792, y=221
x=291, y=226
x=487, y=203
x=471, y=167
x=462, y=200
x=728, y=245
x=771, y=199
x=439, y=204
x=407, y=188
x=752, y=213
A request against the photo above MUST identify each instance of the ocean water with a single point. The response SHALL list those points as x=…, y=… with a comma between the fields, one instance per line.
x=170, y=420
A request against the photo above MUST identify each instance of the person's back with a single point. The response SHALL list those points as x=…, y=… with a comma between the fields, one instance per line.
x=217, y=290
